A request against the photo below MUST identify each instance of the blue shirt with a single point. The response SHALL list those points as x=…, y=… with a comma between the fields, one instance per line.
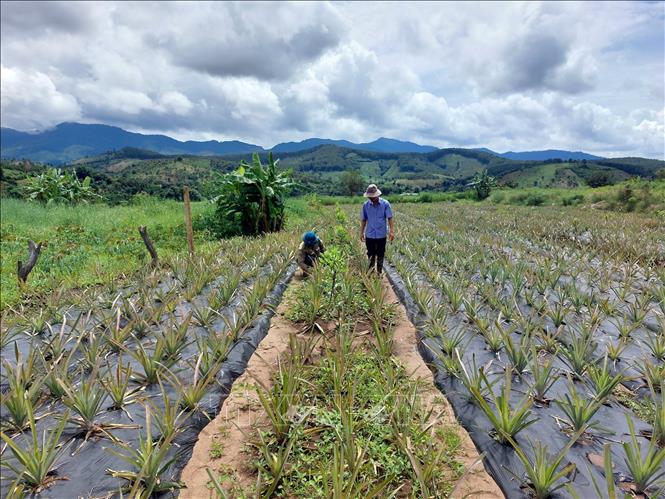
x=376, y=216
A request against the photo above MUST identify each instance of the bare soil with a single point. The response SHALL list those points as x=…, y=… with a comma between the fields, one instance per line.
x=476, y=482
x=240, y=415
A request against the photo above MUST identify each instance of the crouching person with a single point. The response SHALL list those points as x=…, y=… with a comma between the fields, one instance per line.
x=309, y=251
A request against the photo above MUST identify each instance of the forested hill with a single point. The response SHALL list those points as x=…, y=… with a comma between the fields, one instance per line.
x=451, y=168
x=121, y=174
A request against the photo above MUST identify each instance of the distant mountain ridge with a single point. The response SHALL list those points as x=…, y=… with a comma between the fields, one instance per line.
x=548, y=154
x=542, y=155
x=124, y=172
x=72, y=141
x=381, y=144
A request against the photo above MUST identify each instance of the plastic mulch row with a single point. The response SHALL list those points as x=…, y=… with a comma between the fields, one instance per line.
x=85, y=470
x=500, y=460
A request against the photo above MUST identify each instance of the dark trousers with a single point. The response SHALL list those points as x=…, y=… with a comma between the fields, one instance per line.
x=376, y=249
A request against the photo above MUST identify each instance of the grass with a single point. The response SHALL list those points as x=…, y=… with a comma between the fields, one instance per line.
x=630, y=196
x=95, y=244
x=86, y=245
x=356, y=425
x=216, y=450
x=635, y=195
x=643, y=408
x=424, y=197
x=371, y=431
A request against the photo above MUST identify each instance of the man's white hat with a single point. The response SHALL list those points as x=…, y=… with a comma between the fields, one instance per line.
x=372, y=191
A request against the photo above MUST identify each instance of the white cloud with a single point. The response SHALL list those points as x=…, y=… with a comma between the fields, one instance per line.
x=501, y=75
x=176, y=102
x=30, y=100
x=227, y=39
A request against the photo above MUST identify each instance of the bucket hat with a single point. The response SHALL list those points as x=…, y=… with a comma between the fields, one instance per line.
x=372, y=191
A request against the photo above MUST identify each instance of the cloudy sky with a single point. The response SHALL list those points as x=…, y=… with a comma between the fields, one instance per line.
x=508, y=76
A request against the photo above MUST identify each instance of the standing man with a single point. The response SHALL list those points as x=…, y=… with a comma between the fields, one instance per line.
x=375, y=213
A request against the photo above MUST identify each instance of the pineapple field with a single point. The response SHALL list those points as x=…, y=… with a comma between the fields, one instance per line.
x=547, y=331
x=228, y=374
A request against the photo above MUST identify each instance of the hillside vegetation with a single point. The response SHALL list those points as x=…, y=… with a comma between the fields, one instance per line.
x=122, y=174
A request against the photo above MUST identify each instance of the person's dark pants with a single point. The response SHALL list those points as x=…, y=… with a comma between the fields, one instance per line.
x=376, y=249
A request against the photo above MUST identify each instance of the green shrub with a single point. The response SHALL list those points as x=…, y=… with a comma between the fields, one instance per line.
x=251, y=199
x=59, y=186
x=598, y=179
x=518, y=199
x=482, y=185
x=498, y=197
x=351, y=182
x=535, y=200
x=624, y=193
x=573, y=200
x=144, y=199
x=636, y=195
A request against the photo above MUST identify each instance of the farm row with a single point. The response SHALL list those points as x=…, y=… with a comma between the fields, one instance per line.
x=342, y=416
x=547, y=330
x=126, y=376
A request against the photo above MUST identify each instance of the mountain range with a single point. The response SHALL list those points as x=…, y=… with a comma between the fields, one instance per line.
x=544, y=155
x=379, y=145
x=68, y=142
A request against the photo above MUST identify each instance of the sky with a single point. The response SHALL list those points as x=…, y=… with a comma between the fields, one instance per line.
x=508, y=76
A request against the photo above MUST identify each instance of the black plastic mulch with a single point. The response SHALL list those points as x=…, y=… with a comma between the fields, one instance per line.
x=499, y=458
x=85, y=470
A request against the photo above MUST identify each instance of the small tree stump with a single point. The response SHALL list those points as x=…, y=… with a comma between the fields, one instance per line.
x=25, y=269
x=143, y=230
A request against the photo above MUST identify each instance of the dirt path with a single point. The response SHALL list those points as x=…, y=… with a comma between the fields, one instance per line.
x=221, y=444
x=475, y=483
x=225, y=436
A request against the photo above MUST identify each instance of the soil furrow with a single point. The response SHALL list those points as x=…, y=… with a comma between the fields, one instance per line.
x=476, y=482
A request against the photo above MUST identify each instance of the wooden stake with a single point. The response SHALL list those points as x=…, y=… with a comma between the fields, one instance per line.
x=24, y=269
x=143, y=230
x=188, y=220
